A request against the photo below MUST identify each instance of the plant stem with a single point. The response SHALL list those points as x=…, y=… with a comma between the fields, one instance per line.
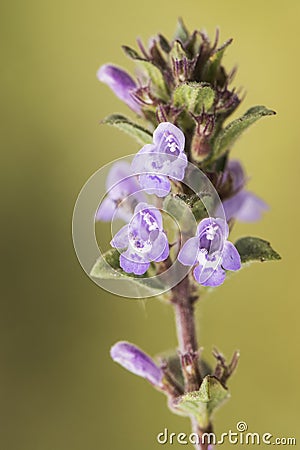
x=203, y=445
x=183, y=299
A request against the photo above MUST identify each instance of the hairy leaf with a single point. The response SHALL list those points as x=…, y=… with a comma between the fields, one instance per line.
x=233, y=131
x=204, y=402
x=181, y=32
x=255, y=249
x=131, y=53
x=135, y=130
x=107, y=267
x=214, y=62
x=194, y=97
x=158, y=85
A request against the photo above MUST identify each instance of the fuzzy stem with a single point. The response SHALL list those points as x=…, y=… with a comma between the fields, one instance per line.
x=203, y=440
x=183, y=299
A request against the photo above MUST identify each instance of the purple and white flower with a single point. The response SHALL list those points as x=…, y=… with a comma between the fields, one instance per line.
x=210, y=252
x=123, y=194
x=120, y=83
x=243, y=205
x=143, y=238
x=165, y=158
x=136, y=361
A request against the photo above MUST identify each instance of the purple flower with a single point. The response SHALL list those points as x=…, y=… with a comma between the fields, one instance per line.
x=243, y=205
x=120, y=83
x=163, y=159
x=123, y=194
x=144, y=240
x=137, y=362
x=210, y=252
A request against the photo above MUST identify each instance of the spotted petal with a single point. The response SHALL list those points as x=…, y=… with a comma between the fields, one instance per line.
x=155, y=184
x=231, y=259
x=131, y=262
x=222, y=225
x=152, y=210
x=167, y=127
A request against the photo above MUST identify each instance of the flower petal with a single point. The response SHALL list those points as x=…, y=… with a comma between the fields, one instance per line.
x=136, y=361
x=131, y=262
x=222, y=225
x=160, y=248
x=189, y=252
x=120, y=239
x=169, y=128
x=118, y=171
x=209, y=277
x=235, y=170
x=106, y=210
x=155, y=184
x=121, y=182
x=231, y=259
x=120, y=83
x=245, y=207
x=138, y=162
x=177, y=167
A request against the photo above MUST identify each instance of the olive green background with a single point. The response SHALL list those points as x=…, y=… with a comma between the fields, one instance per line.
x=59, y=390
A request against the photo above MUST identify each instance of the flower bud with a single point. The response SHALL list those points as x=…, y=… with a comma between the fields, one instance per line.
x=136, y=361
x=120, y=83
x=200, y=146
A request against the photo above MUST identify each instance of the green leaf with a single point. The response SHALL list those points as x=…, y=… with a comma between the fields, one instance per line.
x=181, y=32
x=199, y=210
x=142, y=135
x=174, y=206
x=177, y=52
x=107, y=267
x=214, y=62
x=255, y=249
x=131, y=53
x=232, y=132
x=158, y=85
x=164, y=43
x=106, y=262
x=204, y=402
x=181, y=206
x=180, y=212
x=194, y=96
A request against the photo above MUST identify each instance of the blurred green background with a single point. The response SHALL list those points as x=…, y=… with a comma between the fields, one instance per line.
x=59, y=390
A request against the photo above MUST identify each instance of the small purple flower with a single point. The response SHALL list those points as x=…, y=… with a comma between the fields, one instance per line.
x=123, y=194
x=144, y=240
x=120, y=83
x=137, y=362
x=163, y=159
x=243, y=205
x=210, y=252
